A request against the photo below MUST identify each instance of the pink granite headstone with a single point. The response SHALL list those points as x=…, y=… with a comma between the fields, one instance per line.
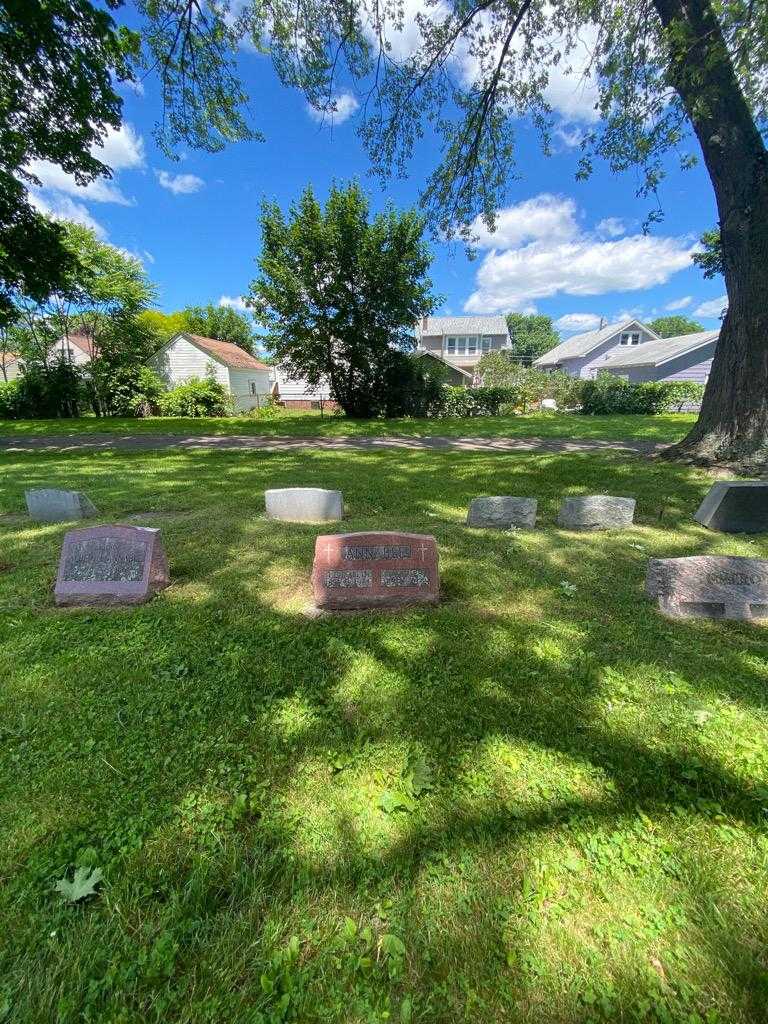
x=710, y=586
x=375, y=570
x=105, y=565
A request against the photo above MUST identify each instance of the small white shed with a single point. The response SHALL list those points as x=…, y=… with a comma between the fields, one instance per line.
x=191, y=355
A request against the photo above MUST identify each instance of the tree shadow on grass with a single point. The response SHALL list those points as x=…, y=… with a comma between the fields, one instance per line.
x=551, y=725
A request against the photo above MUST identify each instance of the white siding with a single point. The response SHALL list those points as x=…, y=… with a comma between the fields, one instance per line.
x=293, y=390
x=11, y=371
x=240, y=385
x=182, y=360
x=70, y=352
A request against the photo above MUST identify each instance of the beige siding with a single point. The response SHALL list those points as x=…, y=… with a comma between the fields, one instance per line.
x=182, y=360
x=11, y=371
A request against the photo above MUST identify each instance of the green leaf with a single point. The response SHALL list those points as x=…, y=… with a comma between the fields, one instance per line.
x=82, y=885
x=392, y=945
x=391, y=801
x=419, y=776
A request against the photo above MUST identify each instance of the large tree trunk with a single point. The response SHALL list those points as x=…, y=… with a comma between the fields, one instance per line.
x=733, y=424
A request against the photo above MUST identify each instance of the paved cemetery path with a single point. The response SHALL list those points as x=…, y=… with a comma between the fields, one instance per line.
x=152, y=442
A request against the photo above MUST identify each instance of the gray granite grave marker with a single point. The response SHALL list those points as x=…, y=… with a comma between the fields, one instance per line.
x=304, y=505
x=51, y=505
x=111, y=565
x=710, y=586
x=596, y=512
x=501, y=512
x=735, y=506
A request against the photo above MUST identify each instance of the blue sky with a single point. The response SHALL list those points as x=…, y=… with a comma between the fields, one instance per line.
x=573, y=250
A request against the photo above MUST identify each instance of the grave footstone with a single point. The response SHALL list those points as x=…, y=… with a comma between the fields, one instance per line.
x=596, y=512
x=304, y=505
x=501, y=512
x=51, y=505
x=735, y=506
x=380, y=569
x=103, y=565
x=710, y=586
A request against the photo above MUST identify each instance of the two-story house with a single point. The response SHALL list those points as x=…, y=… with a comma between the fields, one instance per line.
x=583, y=355
x=461, y=341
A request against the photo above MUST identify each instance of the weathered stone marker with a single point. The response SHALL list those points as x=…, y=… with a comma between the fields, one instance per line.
x=710, y=586
x=596, y=512
x=50, y=505
x=375, y=570
x=735, y=506
x=304, y=505
x=501, y=512
x=111, y=565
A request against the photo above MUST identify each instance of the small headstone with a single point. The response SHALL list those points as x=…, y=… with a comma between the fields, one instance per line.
x=50, y=505
x=111, y=565
x=596, y=512
x=549, y=404
x=710, y=586
x=735, y=506
x=304, y=505
x=375, y=570
x=502, y=512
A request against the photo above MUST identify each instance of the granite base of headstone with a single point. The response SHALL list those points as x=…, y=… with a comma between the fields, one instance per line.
x=304, y=505
x=502, y=512
x=51, y=505
x=710, y=586
x=111, y=565
x=380, y=569
x=735, y=506
x=596, y=512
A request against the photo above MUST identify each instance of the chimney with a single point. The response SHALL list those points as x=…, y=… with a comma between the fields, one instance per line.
x=424, y=323
x=602, y=323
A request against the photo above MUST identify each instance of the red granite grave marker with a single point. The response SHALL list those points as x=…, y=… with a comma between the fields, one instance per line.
x=111, y=565
x=380, y=569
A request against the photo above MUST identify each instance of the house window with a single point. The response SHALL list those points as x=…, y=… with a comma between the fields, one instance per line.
x=450, y=346
x=630, y=339
x=486, y=343
x=472, y=345
x=461, y=346
x=253, y=387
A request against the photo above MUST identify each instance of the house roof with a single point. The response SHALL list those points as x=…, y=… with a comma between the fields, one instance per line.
x=439, y=358
x=6, y=358
x=430, y=325
x=225, y=352
x=654, y=353
x=582, y=344
x=82, y=341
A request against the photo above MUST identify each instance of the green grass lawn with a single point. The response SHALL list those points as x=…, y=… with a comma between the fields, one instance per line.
x=669, y=427
x=538, y=802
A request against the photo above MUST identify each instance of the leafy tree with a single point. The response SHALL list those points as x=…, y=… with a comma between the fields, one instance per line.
x=339, y=292
x=57, y=100
x=711, y=259
x=665, y=69
x=222, y=323
x=673, y=326
x=163, y=326
x=532, y=335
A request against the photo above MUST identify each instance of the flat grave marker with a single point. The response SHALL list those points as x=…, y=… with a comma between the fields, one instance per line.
x=304, y=505
x=596, y=512
x=501, y=512
x=111, y=565
x=380, y=569
x=710, y=586
x=52, y=505
x=735, y=506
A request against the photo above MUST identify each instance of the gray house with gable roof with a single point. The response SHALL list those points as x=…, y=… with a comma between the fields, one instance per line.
x=461, y=341
x=584, y=355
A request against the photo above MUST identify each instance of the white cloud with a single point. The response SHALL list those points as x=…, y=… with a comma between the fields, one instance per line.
x=63, y=208
x=541, y=251
x=574, y=323
x=571, y=135
x=122, y=149
x=54, y=179
x=544, y=217
x=179, y=184
x=712, y=309
x=612, y=227
x=342, y=107
x=672, y=307
x=234, y=302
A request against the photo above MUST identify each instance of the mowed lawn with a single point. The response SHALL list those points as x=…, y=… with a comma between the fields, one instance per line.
x=668, y=427
x=538, y=802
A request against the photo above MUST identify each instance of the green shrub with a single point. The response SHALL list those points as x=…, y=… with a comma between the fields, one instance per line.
x=51, y=392
x=476, y=401
x=413, y=386
x=10, y=399
x=608, y=394
x=196, y=398
x=682, y=393
x=133, y=391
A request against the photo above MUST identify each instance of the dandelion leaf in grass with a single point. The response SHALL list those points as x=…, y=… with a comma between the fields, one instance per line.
x=82, y=885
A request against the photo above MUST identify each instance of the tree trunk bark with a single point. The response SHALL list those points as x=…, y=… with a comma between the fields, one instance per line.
x=733, y=423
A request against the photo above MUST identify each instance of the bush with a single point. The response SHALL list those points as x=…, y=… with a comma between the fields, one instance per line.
x=608, y=394
x=51, y=392
x=133, y=391
x=10, y=399
x=476, y=401
x=196, y=398
x=413, y=386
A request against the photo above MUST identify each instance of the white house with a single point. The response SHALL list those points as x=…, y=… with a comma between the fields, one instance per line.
x=10, y=367
x=190, y=355
x=297, y=393
x=461, y=341
x=584, y=355
x=75, y=348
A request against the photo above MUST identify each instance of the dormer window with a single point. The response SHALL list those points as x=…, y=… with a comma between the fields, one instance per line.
x=630, y=338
